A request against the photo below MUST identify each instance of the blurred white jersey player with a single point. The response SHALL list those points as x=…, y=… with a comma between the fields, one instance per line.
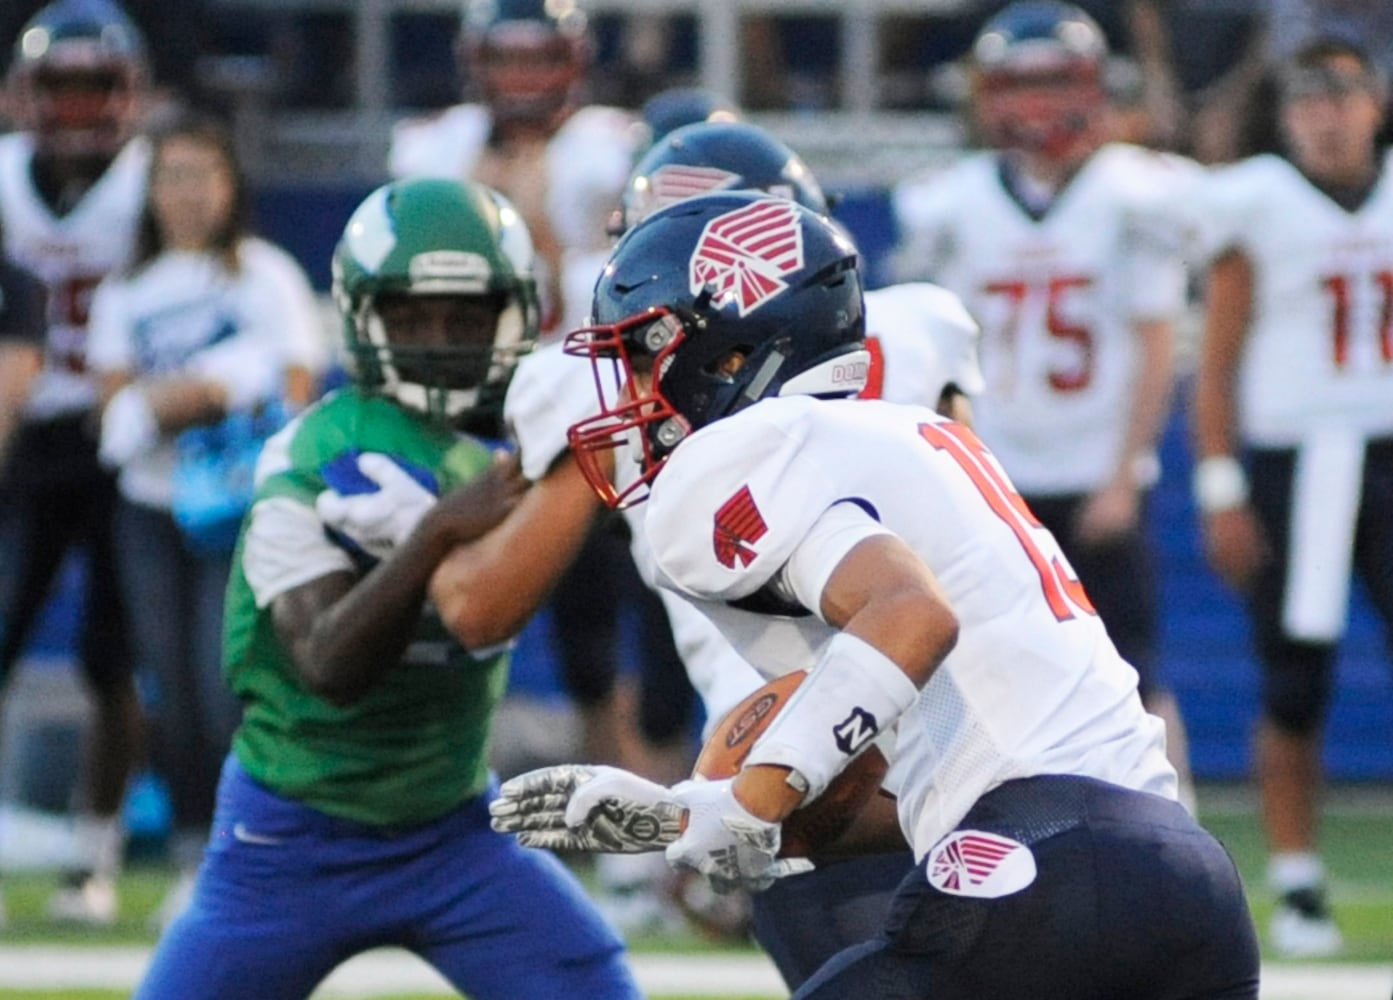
x=1070, y=253
x=72, y=183
x=561, y=163
x=1294, y=430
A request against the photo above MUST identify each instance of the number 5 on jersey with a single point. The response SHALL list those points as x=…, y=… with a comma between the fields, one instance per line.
x=1062, y=588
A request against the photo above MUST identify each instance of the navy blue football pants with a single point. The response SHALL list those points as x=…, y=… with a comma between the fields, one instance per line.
x=1132, y=900
x=287, y=893
x=803, y=920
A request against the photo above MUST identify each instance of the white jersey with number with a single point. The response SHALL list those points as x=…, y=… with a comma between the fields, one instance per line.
x=71, y=254
x=924, y=340
x=1319, y=349
x=1034, y=684
x=1058, y=297
x=588, y=164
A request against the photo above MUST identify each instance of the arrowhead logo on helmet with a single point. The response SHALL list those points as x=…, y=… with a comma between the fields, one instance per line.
x=743, y=255
x=674, y=182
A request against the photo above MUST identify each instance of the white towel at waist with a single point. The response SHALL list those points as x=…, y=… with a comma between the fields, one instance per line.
x=1328, y=481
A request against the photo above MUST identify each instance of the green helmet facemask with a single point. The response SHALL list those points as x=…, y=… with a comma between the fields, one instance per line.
x=439, y=238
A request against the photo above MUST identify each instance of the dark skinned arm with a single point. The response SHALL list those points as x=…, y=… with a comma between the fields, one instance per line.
x=345, y=632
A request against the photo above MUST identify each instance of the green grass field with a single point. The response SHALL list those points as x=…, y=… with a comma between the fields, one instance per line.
x=1358, y=837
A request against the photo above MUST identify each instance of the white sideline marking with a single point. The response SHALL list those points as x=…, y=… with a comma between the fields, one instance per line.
x=718, y=975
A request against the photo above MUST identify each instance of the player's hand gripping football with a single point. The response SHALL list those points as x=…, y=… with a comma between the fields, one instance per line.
x=725, y=842
x=578, y=807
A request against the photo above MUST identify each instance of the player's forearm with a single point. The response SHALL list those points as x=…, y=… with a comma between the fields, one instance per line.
x=364, y=634
x=486, y=591
x=884, y=595
x=19, y=365
x=1151, y=396
x=1227, y=314
x=183, y=402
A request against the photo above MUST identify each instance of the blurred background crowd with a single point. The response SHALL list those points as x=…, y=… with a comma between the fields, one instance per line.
x=178, y=187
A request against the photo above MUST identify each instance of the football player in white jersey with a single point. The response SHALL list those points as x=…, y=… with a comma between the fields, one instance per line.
x=1295, y=429
x=924, y=350
x=71, y=187
x=881, y=546
x=562, y=163
x=1066, y=249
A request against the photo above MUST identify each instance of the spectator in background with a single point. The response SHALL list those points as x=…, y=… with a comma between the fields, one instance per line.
x=561, y=163
x=71, y=186
x=1057, y=243
x=207, y=321
x=1294, y=429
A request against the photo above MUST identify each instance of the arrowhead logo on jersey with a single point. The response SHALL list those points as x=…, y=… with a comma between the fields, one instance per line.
x=739, y=524
x=984, y=865
x=744, y=254
x=674, y=182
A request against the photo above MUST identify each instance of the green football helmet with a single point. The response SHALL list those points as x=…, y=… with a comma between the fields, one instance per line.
x=443, y=239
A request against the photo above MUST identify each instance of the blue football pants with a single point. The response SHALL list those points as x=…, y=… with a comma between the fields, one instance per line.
x=287, y=893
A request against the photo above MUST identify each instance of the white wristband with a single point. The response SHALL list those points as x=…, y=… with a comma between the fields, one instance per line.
x=1220, y=484
x=853, y=694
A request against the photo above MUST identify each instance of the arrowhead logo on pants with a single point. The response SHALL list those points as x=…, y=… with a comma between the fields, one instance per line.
x=985, y=865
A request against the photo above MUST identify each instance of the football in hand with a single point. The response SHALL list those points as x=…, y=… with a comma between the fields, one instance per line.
x=813, y=825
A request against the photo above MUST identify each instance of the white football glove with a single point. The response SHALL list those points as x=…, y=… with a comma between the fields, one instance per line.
x=725, y=842
x=380, y=520
x=577, y=807
x=129, y=427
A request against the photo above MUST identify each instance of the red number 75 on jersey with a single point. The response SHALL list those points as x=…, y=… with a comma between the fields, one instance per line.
x=1062, y=589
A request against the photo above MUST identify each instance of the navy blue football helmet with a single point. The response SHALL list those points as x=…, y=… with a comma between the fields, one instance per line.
x=77, y=74
x=1038, y=77
x=717, y=156
x=677, y=106
x=706, y=307
x=527, y=56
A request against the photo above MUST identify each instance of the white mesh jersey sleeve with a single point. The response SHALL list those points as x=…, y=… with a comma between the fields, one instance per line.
x=550, y=391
